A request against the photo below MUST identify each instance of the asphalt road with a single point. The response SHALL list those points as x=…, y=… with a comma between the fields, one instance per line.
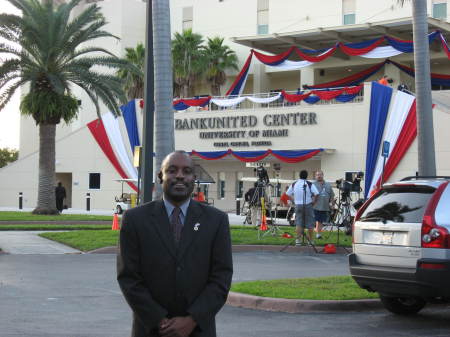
x=77, y=296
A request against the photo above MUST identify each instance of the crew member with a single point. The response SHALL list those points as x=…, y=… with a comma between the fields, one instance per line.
x=324, y=201
x=304, y=195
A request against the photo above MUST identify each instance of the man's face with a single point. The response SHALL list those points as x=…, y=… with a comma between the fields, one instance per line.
x=319, y=176
x=178, y=177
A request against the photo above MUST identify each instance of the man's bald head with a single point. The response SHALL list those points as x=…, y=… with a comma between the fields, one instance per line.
x=167, y=158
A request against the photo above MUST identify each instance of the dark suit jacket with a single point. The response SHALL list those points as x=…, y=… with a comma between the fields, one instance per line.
x=159, y=279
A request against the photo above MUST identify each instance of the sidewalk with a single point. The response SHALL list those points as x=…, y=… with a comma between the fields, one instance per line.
x=28, y=242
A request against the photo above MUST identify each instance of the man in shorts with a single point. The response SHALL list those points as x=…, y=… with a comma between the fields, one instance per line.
x=304, y=194
x=324, y=200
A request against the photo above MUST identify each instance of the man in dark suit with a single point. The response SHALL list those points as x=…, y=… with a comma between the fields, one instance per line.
x=174, y=264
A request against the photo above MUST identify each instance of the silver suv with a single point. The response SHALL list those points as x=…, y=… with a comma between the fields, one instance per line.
x=401, y=244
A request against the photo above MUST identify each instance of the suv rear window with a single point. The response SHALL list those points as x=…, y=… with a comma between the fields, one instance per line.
x=399, y=204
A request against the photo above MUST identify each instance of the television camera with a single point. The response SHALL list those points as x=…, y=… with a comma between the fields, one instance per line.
x=263, y=177
x=351, y=183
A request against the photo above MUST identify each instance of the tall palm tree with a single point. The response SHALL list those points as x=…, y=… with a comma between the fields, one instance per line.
x=164, y=129
x=219, y=57
x=188, y=59
x=425, y=132
x=134, y=80
x=51, y=60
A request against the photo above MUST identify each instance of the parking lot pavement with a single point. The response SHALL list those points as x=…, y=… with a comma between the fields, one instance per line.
x=78, y=296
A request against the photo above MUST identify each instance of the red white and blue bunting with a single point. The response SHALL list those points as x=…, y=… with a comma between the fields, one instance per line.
x=399, y=130
x=287, y=156
x=116, y=147
x=367, y=49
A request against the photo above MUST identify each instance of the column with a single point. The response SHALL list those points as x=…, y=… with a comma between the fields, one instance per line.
x=306, y=76
x=261, y=83
x=392, y=72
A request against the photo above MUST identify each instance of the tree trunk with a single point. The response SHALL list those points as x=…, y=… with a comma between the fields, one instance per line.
x=164, y=120
x=186, y=90
x=46, y=203
x=425, y=132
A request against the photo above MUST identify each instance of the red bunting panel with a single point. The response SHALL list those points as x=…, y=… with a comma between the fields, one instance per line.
x=328, y=95
x=269, y=59
x=293, y=98
x=193, y=102
x=315, y=58
x=360, y=51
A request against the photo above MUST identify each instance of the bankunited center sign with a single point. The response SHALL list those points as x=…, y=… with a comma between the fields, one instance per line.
x=245, y=130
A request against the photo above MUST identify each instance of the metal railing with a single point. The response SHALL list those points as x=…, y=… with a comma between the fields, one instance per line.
x=279, y=103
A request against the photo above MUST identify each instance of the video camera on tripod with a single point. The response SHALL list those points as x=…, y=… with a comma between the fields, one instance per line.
x=351, y=183
x=263, y=177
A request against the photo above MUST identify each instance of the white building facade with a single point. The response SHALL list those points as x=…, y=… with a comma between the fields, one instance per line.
x=270, y=27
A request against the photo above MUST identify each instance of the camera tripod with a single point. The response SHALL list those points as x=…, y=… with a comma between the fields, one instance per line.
x=259, y=201
x=342, y=216
x=303, y=234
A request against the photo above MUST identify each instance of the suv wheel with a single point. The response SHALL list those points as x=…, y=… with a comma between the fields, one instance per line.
x=403, y=305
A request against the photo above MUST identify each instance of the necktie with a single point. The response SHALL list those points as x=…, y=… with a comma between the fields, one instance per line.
x=176, y=224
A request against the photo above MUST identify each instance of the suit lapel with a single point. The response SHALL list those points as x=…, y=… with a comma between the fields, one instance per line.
x=161, y=220
x=189, y=233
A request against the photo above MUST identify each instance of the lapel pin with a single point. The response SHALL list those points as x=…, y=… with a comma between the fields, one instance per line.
x=196, y=226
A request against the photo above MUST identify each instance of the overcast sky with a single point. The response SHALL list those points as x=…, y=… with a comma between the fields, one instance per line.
x=9, y=116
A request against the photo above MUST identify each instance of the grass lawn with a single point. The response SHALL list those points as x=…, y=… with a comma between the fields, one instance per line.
x=50, y=227
x=248, y=235
x=319, y=288
x=92, y=239
x=27, y=216
x=85, y=240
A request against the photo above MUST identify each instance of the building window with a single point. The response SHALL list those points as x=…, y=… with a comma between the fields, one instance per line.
x=263, y=17
x=221, y=186
x=348, y=12
x=188, y=17
x=239, y=189
x=94, y=181
x=440, y=9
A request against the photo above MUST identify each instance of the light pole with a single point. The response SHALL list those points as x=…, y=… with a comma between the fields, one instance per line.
x=425, y=132
x=149, y=107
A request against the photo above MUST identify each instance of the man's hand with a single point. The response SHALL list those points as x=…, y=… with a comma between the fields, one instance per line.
x=177, y=326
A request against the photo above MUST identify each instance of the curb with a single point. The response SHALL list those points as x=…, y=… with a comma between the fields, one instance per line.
x=246, y=248
x=299, y=306
x=56, y=222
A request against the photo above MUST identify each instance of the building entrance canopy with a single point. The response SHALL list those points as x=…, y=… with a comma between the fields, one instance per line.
x=322, y=38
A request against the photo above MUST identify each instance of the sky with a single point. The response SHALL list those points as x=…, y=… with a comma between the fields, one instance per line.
x=9, y=116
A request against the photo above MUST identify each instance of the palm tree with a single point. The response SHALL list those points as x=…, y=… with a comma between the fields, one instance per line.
x=425, y=132
x=164, y=128
x=51, y=60
x=219, y=58
x=188, y=59
x=134, y=81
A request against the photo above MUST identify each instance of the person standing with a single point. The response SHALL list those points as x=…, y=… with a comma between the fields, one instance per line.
x=253, y=197
x=324, y=201
x=304, y=194
x=60, y=195
x=174, y=264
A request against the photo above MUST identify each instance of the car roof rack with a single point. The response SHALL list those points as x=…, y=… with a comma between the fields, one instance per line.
x=424, y=177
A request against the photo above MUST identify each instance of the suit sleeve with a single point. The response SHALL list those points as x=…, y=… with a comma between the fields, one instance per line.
x=214, y=296
x=130, y=279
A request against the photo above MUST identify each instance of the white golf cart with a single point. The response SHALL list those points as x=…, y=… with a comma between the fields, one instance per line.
x=126, y=200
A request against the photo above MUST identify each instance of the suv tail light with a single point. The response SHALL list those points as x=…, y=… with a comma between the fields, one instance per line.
x=434, y=236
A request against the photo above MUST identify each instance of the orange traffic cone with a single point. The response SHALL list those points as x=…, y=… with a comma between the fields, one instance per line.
x=115, y=224
x=263, y=226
